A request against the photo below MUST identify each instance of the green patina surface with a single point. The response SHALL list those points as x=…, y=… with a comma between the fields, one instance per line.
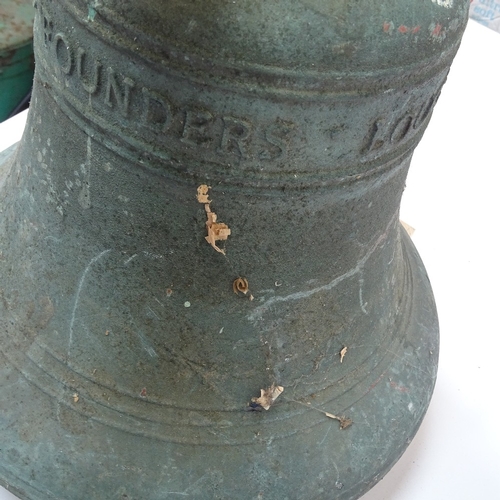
x=129, y=367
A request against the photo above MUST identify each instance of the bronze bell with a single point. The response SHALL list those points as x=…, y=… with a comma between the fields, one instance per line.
x=205, y=288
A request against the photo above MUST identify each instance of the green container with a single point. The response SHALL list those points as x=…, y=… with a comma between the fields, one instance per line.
x=16, y=53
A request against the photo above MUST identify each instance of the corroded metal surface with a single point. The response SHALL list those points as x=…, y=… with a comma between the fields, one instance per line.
x=142, y=314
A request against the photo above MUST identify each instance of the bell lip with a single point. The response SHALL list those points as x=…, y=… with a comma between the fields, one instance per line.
x=426, y=338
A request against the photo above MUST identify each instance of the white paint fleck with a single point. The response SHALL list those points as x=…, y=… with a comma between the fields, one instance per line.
x=152, y=312
x=444, y=3
x=191, y=26
x=187, y=303
x=326, y=434
x=77, y=295
x=362, y=304
x=257, y=313
x=130, y=259
x=154, y=256
x=146, y=344
x=84, y=196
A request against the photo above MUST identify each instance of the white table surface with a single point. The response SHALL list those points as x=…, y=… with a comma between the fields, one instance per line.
x=452, y=200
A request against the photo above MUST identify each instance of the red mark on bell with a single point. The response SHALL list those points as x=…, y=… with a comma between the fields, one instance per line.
x=376, y=382
x=416, y=29
x=403, y=29
x=399, y=388
x=387, y=27
x=144, y=392
x=437, y=30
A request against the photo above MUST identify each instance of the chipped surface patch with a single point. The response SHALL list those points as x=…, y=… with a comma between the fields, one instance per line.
x=344, y=421
x=267, y=397
x=217, y=231
x=342, y=353
x=202, y=194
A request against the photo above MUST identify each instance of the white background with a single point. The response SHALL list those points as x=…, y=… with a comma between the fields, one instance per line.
x=453, y=203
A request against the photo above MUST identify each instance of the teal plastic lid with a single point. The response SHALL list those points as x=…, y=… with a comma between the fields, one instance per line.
x=16, y=53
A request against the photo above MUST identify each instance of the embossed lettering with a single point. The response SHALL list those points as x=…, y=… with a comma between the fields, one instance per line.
x=218, y=137
x=234, y=136
x=89, y=74
x=395, y=130
x=401, y=129
x=374, y=140
x=48, y=28
x=122, y=98
x=157, y=112
x=64, y=53
x=276, y=140
x=425, y=109
x=197, y=128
